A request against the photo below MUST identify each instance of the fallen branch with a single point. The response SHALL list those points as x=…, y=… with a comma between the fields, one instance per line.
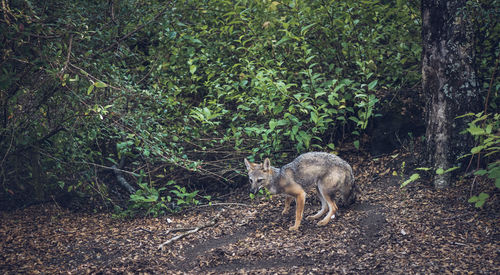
x=223, y=204
x=191, y=231
x=146, y=230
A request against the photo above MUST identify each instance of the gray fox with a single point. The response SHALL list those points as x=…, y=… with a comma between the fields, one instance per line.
x=327, y=172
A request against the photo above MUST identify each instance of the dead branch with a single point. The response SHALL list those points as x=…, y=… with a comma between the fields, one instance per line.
x=146, y=230
x=191, y=231
x=223, y=204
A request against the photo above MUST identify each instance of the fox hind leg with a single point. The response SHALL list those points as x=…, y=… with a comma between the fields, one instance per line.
x=332, y=207
x=323, y=209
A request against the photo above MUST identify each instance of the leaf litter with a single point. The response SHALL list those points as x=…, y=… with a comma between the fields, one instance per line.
x=388, y=230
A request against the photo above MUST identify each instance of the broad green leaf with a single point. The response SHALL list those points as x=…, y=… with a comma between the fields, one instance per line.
x=473, y=199
x=480, y=172
x=475, y=131
x=477, y=149
x=479, y=203
x=192, y=68
x=314, y=117
x=100, y=84
x=483, y=196
x=356, y=144
x=372, y=84
x=272, y=124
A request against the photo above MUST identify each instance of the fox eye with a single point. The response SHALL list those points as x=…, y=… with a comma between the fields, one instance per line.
x=260, y=180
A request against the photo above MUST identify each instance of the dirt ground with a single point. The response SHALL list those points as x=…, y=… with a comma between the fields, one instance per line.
x=387, y=231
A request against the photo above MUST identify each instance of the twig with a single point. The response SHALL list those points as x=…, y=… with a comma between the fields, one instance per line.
x=194, y=230
x=472, y=186
x=222, y=203
x=455, y=216
x=92, y=164
x=176, y=230
x=491, y=84
x=146, y=230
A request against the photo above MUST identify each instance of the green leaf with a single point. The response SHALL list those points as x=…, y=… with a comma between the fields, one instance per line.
x=372, y=84
x=304, y=30
x=356, y=144
x=475, y=131
x=468, y=114
x=90, y=89
x=473, y=199
x=481, y=172
x=412, y=178
x=100, y=84
x=314, y=117
x=272, y=124
x=477, y=149
x=282, y=40
x=451, y=169
x=440, y=171
x=479, y=204
x=483, y=196
x=192, y=69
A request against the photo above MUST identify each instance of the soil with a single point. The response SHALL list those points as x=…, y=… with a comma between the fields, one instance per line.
x=387, y=231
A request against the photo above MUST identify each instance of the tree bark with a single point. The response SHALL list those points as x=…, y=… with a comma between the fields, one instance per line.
x=449, y=82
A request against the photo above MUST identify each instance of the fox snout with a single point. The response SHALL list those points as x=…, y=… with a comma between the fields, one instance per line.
x=255, y=185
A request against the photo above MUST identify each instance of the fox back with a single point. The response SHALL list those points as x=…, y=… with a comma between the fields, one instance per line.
x=319, y=169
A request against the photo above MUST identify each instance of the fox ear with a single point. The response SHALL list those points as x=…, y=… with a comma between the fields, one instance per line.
x=248, y=165
x=267, y=164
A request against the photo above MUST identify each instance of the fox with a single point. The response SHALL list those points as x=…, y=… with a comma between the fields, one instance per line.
x=328, y=173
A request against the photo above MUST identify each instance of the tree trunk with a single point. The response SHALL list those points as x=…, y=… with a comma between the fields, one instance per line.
x=449, y=82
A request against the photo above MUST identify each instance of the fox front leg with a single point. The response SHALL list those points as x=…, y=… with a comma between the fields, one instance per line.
x=295, y=190
x=300, y=201
x=288, y=201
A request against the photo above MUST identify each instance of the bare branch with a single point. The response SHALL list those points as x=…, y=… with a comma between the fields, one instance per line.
x=194, y=230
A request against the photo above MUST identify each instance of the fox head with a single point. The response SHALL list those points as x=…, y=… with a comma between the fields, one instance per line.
x=259, y=174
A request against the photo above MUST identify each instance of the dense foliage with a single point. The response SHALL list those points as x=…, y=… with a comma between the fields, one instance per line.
x=175, y=93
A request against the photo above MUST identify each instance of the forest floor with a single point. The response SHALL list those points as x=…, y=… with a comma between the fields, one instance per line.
x=387, y=231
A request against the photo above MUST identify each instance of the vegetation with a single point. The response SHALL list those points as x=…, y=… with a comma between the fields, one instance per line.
x=174, y=94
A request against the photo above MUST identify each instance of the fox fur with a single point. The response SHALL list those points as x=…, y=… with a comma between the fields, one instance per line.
x=326, y=172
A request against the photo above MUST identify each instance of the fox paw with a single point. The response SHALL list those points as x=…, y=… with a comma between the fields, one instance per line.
x=323, y=223
x=293, y=228
x=310, y=218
